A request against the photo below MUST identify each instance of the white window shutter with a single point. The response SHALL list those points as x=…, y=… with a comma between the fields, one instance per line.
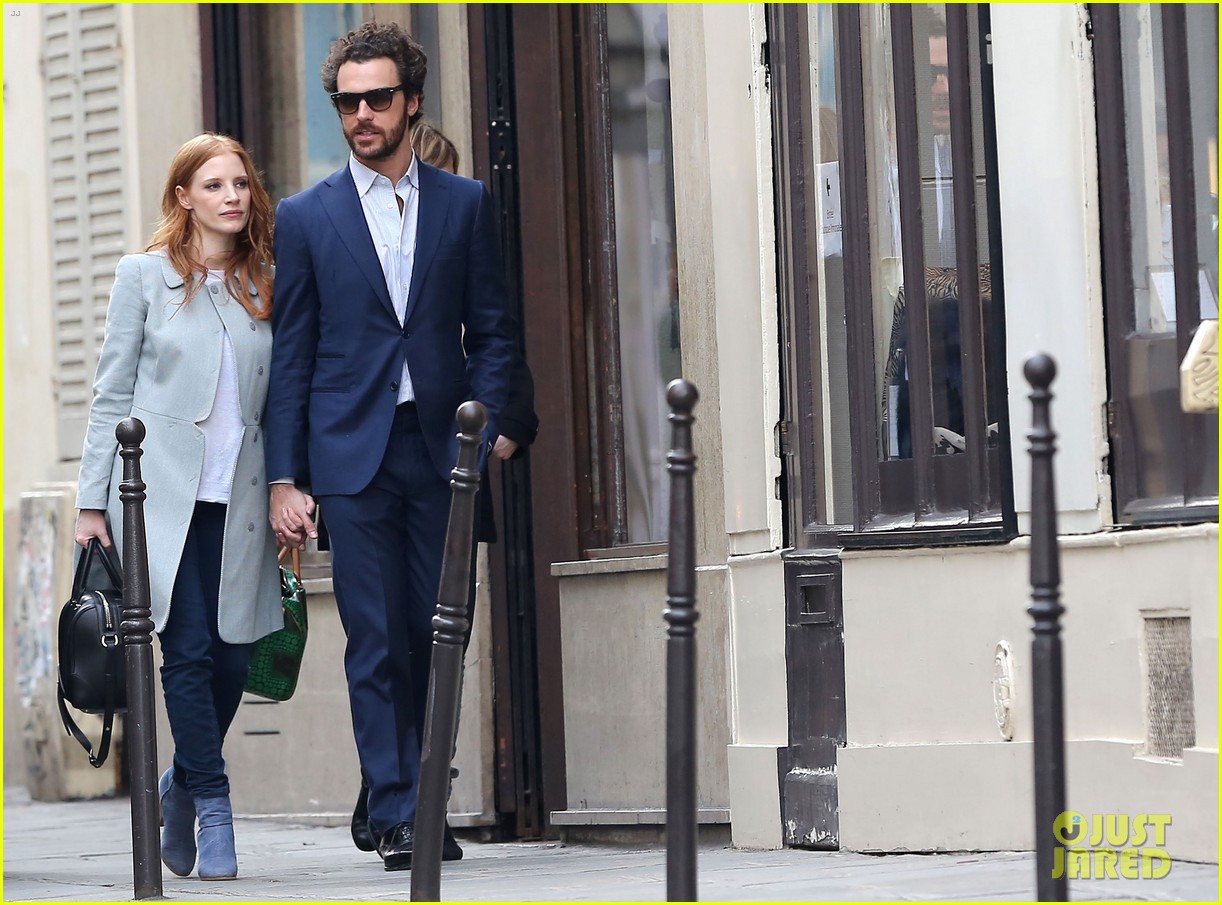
x=82, y=67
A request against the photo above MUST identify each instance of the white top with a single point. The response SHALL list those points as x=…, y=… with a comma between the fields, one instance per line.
x=223, y=427
x=394, y=236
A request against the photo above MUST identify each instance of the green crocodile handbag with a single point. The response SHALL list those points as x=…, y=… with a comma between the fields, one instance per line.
x=275, y=661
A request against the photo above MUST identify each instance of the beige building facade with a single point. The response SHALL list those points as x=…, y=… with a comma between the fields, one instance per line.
x=864, y=648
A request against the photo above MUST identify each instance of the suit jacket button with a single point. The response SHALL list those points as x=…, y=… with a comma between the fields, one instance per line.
x=394, y=386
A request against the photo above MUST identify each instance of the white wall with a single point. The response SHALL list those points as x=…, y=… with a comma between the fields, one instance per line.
x=29, y=446
x=727, y=280
x=739, y=153
x=164, y=102
x=921, y=630
x=1047, y=169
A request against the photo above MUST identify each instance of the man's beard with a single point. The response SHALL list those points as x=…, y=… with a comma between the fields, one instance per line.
x=380, y=152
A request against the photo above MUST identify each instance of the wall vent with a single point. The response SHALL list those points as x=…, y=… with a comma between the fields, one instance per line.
x=1170, y=719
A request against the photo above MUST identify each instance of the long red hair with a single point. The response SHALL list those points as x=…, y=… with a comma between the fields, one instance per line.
x=251, y=259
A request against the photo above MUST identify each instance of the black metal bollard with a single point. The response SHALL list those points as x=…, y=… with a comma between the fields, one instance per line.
x=141, y=725
x=1047, y=691
x=445, y=673
x=681, y=619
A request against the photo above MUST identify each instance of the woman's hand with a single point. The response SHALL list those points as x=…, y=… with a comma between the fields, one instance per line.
x=91, y=523
x=289, y=511
x=504, y=448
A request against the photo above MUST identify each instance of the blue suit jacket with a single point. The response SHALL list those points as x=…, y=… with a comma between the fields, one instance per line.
x=339, y=350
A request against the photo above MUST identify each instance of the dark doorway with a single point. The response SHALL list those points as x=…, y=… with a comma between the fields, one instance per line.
x=524, y=147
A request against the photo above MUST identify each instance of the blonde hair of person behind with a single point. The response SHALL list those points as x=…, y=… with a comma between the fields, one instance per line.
x=252, y=253
x=433, y=147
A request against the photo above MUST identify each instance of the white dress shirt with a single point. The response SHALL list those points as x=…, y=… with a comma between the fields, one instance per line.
x=394, y=235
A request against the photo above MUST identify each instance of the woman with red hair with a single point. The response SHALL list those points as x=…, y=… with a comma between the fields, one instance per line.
x=187, y=351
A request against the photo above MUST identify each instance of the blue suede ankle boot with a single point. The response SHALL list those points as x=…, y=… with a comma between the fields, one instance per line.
x=217, y=858
x=178, y=822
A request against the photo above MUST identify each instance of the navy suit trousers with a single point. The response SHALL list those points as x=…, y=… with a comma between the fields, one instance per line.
x=386, y=549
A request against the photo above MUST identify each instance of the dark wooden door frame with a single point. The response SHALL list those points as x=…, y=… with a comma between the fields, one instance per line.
x=228, y=40
x=519, y=56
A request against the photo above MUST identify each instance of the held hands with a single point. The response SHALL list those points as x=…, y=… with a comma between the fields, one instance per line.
x=289, y=510
x=91, y=523
x=504, y=448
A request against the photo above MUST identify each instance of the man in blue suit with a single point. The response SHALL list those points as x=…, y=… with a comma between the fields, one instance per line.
x=389, y=312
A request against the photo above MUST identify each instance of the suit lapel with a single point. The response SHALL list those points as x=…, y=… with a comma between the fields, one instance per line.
x=430, y=220
x=343, y=206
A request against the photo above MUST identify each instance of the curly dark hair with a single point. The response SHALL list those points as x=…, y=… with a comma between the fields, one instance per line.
x=379, y=39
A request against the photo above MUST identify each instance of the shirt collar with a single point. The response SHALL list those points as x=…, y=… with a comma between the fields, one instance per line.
x=364, y=177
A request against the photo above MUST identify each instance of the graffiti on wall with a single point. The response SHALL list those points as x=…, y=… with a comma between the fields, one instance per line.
x=34, y=615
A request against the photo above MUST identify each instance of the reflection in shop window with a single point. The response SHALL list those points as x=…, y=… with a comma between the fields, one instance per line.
x=646, y=274
x=1150, y=175
x=1164, y=461
x=837, y=487
x=938, y=240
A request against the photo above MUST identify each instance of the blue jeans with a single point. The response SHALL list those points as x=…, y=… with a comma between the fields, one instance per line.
x=202, y=677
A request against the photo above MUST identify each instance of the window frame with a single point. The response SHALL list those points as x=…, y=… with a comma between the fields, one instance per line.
x=603, y=508
x=986, y=512
x=598, y=403
x=1116, y=244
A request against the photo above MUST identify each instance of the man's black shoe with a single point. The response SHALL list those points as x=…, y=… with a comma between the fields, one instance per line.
x=395, y=847
x=450, y=849
x=362, y=837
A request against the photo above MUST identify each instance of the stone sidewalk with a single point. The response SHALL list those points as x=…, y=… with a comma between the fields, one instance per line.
x=81, y=852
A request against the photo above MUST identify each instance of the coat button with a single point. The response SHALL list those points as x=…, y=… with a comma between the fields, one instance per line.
x=394, y=386
x=260, y=370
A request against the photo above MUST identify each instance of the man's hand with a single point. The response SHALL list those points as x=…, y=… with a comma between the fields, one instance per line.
x=503, y=448
x=289, y=511
x=91, y=523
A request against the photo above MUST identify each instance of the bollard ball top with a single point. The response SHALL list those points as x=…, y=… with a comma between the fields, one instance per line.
x=130, y=432
x=1040, y=369
x=682, y=395
x=472, y=417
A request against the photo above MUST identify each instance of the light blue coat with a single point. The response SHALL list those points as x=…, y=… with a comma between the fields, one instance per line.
x=160, y=362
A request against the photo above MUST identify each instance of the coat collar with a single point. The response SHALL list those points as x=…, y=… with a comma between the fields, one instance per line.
x=174, y=280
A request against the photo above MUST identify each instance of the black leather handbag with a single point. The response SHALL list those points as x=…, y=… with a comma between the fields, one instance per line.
x=92, y=670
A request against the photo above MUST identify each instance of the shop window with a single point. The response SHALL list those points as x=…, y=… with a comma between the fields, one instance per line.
x=890, y=266
x=1156, y=78
x=631, y=299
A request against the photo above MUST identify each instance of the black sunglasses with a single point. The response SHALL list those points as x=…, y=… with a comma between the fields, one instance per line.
x=379, y=99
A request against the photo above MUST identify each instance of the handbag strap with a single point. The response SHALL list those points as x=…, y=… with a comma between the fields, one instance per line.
x=108, y=718
x=92, y=549
x=294, y=559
